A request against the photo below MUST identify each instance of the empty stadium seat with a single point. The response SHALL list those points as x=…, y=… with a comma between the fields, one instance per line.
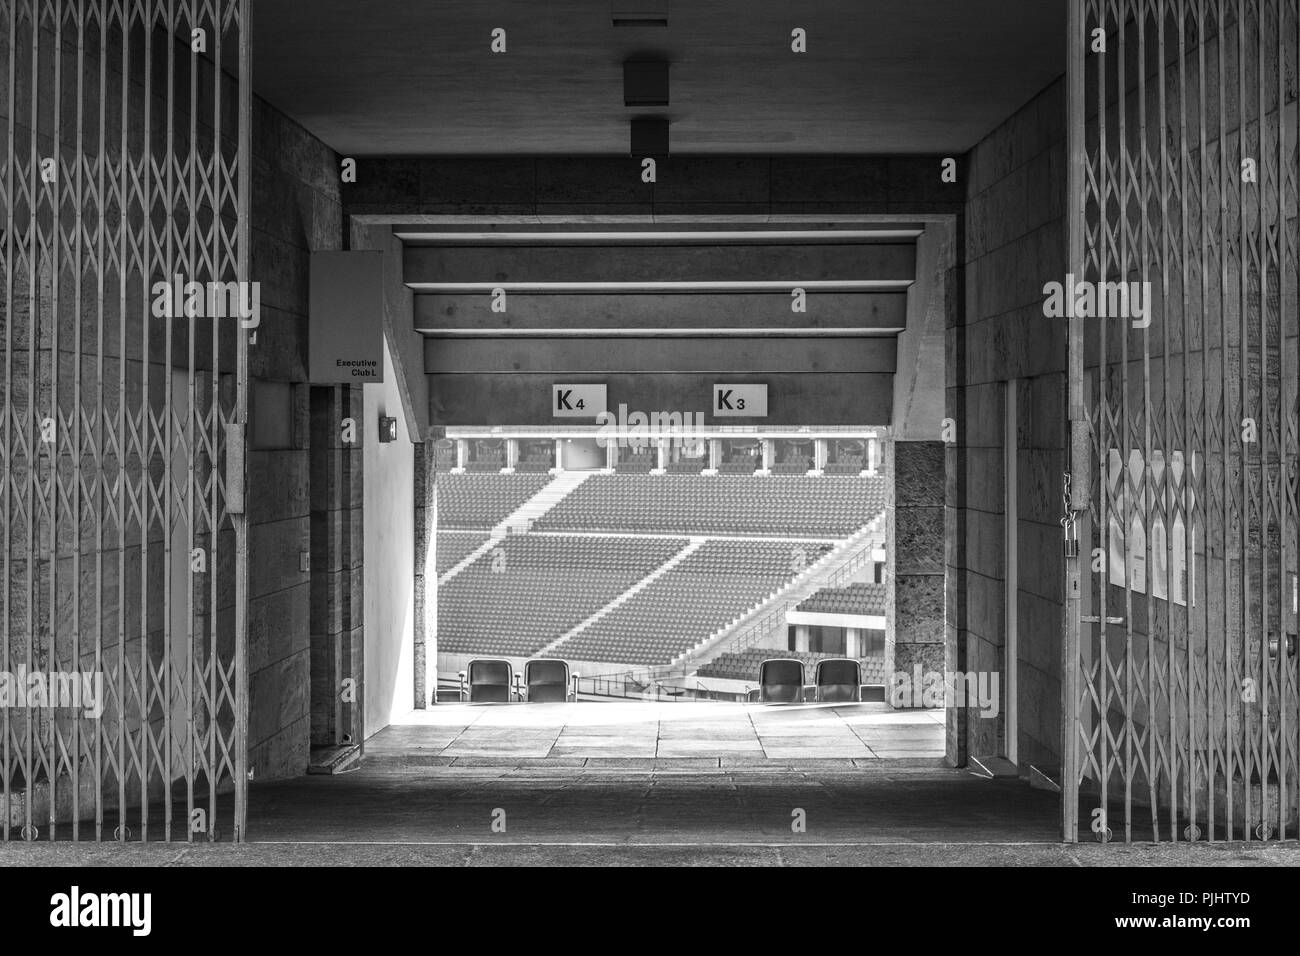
x=487, y=681
x=792, y=505
x=547, y=681
x=780, y=681
x=743, y=665
x=861, y=598
x=452, y=547
x=839, y=680
x=714, y=586
x=484, y=500
x=530, y=590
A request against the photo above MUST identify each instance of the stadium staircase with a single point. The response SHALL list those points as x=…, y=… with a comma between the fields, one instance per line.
x=560, y=488
x=522, y=518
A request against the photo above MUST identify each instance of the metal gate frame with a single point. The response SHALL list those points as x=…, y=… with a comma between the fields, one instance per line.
x=1182, y=716
x=126, y=164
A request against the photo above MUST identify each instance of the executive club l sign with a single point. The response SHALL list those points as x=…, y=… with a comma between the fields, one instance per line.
x=345, y=341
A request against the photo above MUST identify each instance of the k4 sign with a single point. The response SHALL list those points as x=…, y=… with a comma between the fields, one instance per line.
x=577, y=401
x=740, y=401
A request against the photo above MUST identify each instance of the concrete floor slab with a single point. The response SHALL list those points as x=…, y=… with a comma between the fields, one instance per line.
x=649, y=729
x=685, y=800
x=477, y=854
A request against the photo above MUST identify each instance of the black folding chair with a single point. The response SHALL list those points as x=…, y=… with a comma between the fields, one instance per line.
x=780, y=681
x=839, y=680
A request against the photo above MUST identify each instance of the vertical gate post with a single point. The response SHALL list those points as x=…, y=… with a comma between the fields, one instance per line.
x=1076, y=45
x=243, y=240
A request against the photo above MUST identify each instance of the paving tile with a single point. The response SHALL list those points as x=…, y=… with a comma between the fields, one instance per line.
x=718, y=734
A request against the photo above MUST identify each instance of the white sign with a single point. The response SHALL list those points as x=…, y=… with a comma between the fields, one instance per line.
x=346, y=344
x=740, y=401
x=577, y=401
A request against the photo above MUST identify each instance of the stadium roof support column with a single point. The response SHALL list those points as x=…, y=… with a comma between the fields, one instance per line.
x=914, y=571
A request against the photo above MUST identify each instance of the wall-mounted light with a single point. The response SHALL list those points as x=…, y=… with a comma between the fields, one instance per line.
x=387, y=429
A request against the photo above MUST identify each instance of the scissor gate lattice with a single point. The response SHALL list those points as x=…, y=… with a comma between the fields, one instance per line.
x=124, y=164
x=1180, y=717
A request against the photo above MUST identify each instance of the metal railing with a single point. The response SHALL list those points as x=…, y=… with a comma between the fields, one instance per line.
x=628, y=687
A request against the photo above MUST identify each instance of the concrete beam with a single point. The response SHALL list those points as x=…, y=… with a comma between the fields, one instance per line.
x=879, y=311
x=597, y=356
x=525, y=189
x=678, y=263
x=919, y=386
x=793, y=400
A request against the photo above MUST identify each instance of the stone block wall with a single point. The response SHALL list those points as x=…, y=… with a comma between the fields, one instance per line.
x=1014, y=243
x=914, y=568
x=295, y=211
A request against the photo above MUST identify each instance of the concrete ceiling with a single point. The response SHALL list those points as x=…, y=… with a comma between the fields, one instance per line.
x=397, y=77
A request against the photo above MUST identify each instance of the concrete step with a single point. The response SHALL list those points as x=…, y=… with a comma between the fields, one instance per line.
x=992, y=767
x=329, y=760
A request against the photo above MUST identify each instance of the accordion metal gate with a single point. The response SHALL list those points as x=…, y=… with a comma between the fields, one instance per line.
x=1180, y=715
x=124, y=195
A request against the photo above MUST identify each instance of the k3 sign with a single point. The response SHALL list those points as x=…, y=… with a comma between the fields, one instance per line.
x=740, y=401
x=577, y=401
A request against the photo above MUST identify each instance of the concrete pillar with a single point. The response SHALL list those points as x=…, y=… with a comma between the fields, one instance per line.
x=611, y=455
x=426, y=577
x=873, y=455
x=819, y=455
x=801, y=637
x=715, y=454
x=767, y=456
x=661, y=447
x=915, y=560
x=512, y=454
x=462, y=451
x=559, y=456
x=851, y=642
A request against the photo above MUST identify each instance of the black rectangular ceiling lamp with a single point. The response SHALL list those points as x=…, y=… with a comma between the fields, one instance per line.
x=639, y=13
x=645, y=83
x=649, y=137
